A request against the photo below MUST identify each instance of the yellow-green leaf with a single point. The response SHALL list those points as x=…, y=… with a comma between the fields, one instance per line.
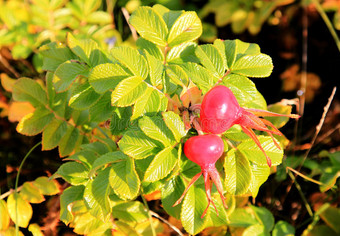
x=31, y=193
x=19, y=210
x=4, y=215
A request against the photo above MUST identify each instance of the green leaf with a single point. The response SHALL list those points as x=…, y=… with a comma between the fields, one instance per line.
x=171, y=192
x=257, y=229
x=70, y=195
x=279, y=121
x=329, y=178
x=245, y=91
x=193, y=207
x=177, y=75
x=182, y=53
x=128, y=91
x=161, y=165
x=34, y=123
x=29, y=90
x=174, y=122
x=168, y=16
x=105, y=159
x=283, y=228
x=331, y=216
x=130, y=212
x=83, y=97
x=124, y=179
x=120, y=120
x=73, y=172
x=67, y=73
x=31, y=193
x=237, y=173
x=259, y=175
x=137, y=145
x=46, y=186
x=55, y=54
x=150, y=25
x=203, y=78
x=264, y=216
x=87, y=50
x=235, y=133
x=186, y=28
x=70, y=141
x=126, y=228
x=53, y=133
x=19, y=210
x=258, y=66
x=215, y=220
x=155, y=128
x=250, y=150
x=149, y=104
x=221, y=47
x=151, y=48
x=100, y=191
x=102, y=110
x=241, y=218
x=4, y=215
x=80, y=117
x=106, y=76
x=132, y=59
x=85, y=157
x=210, y=58
x=156, y=69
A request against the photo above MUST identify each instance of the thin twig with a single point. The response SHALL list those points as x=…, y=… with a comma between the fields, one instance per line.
x=133, y=30
x=298, y=187
x=6, y=194
x=16, y=186
x=167, y=222
x=149, y=214
x=304, y=176
x=323, y=137
x=319, y=126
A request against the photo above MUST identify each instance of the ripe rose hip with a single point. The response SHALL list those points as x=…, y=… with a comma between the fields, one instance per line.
x=220, y=111
x=205, y=150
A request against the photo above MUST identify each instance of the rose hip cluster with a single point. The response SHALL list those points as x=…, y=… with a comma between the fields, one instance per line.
x=219, y=112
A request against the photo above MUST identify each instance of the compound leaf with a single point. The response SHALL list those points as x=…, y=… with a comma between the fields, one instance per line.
x=107, y=76
x=161, y=165
x=132, y=59
x=53, y=134
x=29, y=90
x=186, y=28
x=250, y=150
x=124, y=179
x=150, y=25
x=34, y=123
x=128, y=91
x=237, y=173
x=137, y=145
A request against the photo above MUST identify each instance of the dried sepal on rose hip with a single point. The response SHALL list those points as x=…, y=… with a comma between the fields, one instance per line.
x=205, y=150
x=220, y=111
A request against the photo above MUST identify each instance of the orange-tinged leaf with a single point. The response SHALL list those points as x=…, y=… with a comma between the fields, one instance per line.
x=174, y=103
x=153, y=196
x=7, y=82
x=31, y=193
x=21, y=207
x=192, y=95
x=4, y=216
x=17, y=110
